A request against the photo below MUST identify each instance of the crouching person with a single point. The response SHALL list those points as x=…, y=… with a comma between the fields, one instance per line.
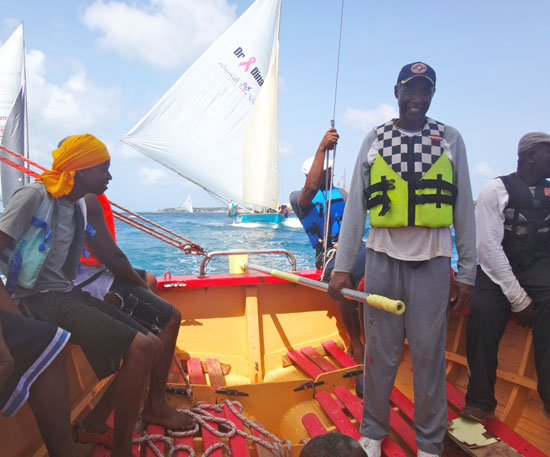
x=42, y=233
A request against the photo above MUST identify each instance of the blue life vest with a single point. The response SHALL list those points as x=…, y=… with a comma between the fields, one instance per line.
x=22, y=263
x=314, y=221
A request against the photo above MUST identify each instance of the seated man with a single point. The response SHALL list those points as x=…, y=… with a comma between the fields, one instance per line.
x=513, y=248
x=32, y=366
x=42, y=232
x=309, y=206
x=107, y=274
x=332, y=445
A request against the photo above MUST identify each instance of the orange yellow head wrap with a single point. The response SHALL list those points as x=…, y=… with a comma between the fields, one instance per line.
x=77, y=152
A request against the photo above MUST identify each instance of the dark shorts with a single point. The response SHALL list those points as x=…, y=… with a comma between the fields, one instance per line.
x=357, y=270
x=142, y=304
x=33, y=345
x=100, y=329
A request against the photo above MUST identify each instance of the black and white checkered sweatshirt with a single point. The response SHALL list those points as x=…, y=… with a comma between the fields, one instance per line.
x=403, y=153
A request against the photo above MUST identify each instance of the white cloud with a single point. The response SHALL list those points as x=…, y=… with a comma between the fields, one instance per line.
x=484, y=169
x=366, y=120
x=285, y=148
x=152, y=176
x=76, y=105
x=165, y=33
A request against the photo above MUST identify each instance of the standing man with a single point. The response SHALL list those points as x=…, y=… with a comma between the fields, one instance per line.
x=412, y=174
x=310, y=206
x=513, y=246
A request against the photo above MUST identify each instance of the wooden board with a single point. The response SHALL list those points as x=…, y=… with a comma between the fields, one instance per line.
x=188, y=440
x=237, y=443
x=318, y=359
x=194, y=368
x=209, y=438
x=336, y=415
x=497, y=428
x=174, y=375
x=313, y=425
x=304, y=363
x=341, y=357
x=353, y=404
x=215, y=374
x=155, y=430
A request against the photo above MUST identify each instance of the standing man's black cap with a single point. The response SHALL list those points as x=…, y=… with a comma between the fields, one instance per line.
x=414, y=70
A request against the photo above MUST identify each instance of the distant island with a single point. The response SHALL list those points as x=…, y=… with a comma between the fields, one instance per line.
x=212, y=209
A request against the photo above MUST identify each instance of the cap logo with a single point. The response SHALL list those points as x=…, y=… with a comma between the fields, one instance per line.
x=419, y=68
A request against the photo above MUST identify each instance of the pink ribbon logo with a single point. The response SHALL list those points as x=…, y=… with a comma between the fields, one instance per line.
x=247, y=64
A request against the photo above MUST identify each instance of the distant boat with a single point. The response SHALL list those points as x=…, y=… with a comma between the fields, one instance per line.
x=188, y=205
x=13, y=112
x=218, y=125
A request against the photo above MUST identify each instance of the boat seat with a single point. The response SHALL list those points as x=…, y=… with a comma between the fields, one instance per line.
x=196, y=370
x=314, y=363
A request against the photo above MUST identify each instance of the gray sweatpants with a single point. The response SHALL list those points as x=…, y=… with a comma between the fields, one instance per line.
x=424, y=287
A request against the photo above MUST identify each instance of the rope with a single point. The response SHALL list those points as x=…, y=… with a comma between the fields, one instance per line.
x=168, y=236
x=202, y=416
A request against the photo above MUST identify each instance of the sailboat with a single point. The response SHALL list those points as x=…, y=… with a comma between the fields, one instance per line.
x=188, y=205
x=218, y=124
x=13, y=112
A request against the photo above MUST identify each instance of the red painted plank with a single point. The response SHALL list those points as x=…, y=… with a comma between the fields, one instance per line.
x=155, y=430
x=313, y=425
x=341, y=357
x=350, y=401
x=237, y=443
x=174, y=375
x=209, y=438
x=336, y=415
x=318, y=359
x=354, y=406
x=188, y=440
x=304, y=363
x=405, y=405
x=404, y=430
x=260, y=450
x=215, y=373
x=458, y=399
x=194, y=368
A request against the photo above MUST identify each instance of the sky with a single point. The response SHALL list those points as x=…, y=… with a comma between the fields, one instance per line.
x=99, y=66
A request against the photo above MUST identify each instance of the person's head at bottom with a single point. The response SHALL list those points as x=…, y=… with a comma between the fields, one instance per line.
x=332, y=445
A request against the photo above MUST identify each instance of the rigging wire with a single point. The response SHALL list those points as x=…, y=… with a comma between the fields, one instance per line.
x=163, y=234
x=329, y=178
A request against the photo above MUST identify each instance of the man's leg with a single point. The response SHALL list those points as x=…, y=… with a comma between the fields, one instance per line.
x=537, y=284
x=129, y=389
x=156, y=409
x=428, y=285
x=49, y=401
x=161, y=317
x=489, y=314
x=384, y=336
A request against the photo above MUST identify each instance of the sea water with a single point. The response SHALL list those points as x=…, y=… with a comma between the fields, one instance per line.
x=214, y=232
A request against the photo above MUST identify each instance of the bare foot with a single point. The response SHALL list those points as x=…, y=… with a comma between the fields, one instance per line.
x=168, y=417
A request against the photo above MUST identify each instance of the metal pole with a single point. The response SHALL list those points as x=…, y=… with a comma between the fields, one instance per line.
x=377, y=301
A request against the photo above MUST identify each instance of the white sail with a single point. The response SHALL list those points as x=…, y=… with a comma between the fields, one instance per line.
x=13, y=111
x=198, y=127
x=188, y=205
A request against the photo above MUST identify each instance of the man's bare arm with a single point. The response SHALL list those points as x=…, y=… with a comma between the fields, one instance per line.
x=104, y=247
x=315, y=175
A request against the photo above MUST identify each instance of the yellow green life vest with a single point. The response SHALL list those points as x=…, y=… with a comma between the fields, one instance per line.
x=411, y=179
